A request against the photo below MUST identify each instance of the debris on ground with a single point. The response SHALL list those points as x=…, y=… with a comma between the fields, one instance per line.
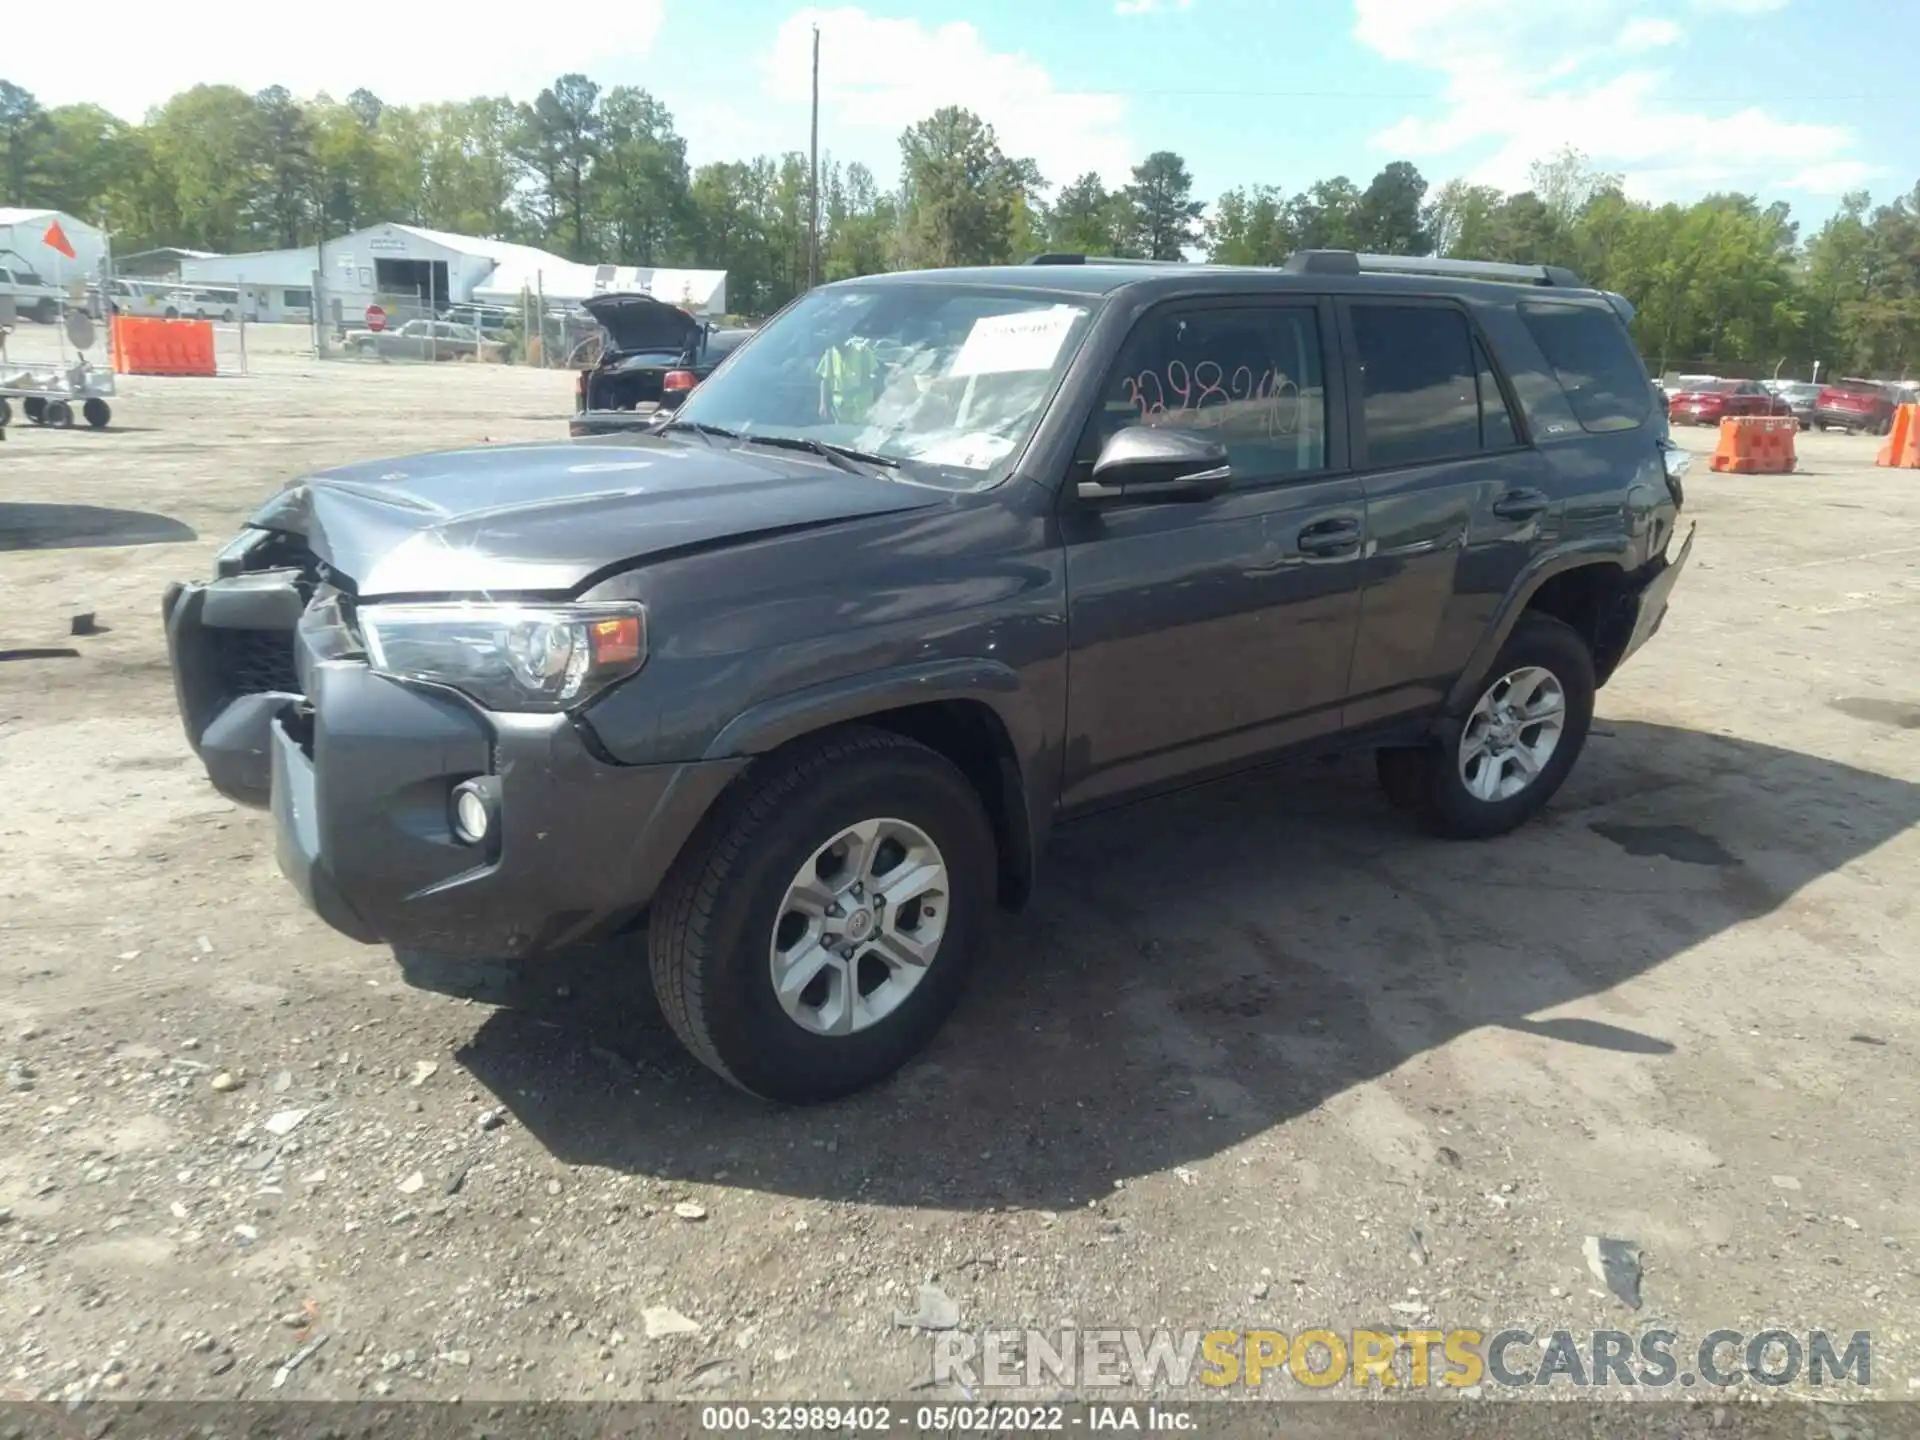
x=1615, y=1264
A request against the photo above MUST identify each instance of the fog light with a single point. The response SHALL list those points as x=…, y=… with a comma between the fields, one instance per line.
x=472, y=815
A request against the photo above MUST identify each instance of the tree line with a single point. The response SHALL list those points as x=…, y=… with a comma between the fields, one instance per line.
x=1723, y=283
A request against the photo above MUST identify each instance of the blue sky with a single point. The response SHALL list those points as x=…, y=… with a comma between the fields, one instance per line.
x=1784, y=97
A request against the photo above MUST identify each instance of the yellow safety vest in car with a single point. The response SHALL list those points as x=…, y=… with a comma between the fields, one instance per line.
x=850, y=372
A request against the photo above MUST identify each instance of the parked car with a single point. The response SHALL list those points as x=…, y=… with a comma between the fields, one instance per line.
x=1710, y=402
x=34, y=297
x=652, y=355
x=492, y=321
x=1801, y=397
x=803, y=678
x=1853, y=404
x=424, y=340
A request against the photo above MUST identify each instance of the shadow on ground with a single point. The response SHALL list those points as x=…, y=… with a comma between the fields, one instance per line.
x=1199, y=969
x=77, y=527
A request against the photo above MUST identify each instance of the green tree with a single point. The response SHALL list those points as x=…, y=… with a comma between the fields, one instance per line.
x=640, y=178
x=289, y=175
x=23, y=137
x=858, y=224
x=1388, y=218
x=959, y=191
x=561, y=140
x=1165, y=219
x=88, y=151
x=1251, y=227
x=1461, y=220
x=1087, y=219
x=207, y=147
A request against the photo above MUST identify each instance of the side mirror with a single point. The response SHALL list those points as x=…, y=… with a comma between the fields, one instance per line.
x=1147, y=463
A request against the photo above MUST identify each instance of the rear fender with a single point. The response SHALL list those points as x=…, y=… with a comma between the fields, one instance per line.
x=1599, y=550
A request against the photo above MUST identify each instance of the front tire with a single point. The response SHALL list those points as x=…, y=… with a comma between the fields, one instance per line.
x=1490, y=770
x=818, y=929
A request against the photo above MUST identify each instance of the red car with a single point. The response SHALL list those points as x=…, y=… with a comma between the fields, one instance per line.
x=1852, y=405
x=1715, y=400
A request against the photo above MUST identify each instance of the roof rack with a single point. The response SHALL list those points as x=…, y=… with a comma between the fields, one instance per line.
x=1348, y=262
x=1063, y=258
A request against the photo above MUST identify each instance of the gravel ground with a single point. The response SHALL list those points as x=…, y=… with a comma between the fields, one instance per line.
x=1257, y=1057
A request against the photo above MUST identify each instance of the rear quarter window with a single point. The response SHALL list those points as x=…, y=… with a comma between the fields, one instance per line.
x=1593, y=358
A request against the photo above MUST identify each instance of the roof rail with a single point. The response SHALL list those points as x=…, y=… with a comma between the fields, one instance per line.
x=1348, y=262
x=1063, y=258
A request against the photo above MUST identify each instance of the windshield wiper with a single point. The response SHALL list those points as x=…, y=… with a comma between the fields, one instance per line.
x=839, y=455
x=703, y=431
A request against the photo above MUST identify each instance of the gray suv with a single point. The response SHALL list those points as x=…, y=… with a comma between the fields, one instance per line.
x=797, y=681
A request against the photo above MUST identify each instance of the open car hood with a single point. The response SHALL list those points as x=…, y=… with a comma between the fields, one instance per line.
x=640, y=322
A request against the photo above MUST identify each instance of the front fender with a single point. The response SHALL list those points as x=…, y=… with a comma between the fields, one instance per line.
x=1607, y=549
x=1024, y=805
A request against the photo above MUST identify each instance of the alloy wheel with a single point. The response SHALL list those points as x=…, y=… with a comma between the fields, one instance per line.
x=1512, y=733
x=859, y=926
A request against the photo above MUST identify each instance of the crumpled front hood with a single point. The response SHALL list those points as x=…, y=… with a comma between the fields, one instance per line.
x=548, y=518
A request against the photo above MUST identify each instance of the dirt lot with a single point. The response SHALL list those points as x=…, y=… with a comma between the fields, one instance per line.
x=1258, y=1056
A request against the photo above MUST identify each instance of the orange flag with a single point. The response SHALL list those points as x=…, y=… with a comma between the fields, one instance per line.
x=56, y=238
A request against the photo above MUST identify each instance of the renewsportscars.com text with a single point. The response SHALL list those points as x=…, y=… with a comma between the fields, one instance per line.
x=1418, y=1359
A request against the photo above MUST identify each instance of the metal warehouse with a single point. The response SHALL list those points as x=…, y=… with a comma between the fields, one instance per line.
x=408, y=266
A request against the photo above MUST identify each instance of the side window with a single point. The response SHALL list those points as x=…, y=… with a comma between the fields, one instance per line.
x=1249, y=374
x=1497, y=430
x=1594, y=360
x=1419, y=388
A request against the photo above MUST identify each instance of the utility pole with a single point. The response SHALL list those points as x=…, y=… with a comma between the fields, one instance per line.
x=813, y=186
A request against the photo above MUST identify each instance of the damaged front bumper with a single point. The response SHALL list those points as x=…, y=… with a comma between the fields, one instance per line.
x=359, y=772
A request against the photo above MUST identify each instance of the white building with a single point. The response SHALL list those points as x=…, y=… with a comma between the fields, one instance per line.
x=405, y=268
x=24, y=232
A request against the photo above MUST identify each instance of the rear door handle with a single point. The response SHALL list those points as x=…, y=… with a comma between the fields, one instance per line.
x=1331, y=537
x=1520, y=505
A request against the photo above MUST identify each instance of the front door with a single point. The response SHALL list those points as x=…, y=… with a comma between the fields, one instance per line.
x=1205, y=633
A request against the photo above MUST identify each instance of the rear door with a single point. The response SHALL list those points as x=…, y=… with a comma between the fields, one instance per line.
x=1207, y=633
x=1454, y=496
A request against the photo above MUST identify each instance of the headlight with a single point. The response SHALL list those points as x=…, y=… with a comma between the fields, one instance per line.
x=508, y=657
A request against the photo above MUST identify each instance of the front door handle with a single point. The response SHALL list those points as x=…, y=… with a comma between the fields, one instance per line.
x=1330, y=537
x=1520, y=505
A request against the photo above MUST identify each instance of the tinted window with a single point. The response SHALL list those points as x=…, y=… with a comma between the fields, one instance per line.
x=1249, y=375
x=1497, y=430
x=1419, y=391
x=1594, y=360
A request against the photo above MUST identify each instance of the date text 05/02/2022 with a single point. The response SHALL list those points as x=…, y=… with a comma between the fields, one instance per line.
x=944, y=1419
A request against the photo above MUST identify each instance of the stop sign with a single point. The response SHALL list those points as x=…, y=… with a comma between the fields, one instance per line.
x=376, y=318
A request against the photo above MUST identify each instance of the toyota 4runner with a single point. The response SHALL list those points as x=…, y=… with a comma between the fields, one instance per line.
x=803, y=676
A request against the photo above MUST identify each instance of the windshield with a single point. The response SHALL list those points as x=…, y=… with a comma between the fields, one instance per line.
x=947, y=380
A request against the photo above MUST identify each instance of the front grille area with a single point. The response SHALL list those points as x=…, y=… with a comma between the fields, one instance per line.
x=255, y=661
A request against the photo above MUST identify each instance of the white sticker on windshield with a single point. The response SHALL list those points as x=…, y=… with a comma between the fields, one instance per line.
x=1027, y=341
x=969, y=452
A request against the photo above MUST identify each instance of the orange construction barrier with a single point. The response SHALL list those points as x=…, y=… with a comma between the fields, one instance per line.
x=1902, y=450
x=1757, y=445
x=149, y=345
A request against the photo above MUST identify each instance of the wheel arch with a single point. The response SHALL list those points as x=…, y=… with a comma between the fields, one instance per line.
x=1586, y=587
x=975, y=713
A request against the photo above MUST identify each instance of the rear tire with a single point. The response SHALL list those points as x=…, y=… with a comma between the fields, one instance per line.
x=59, y=414
x=1491, y=794
x=722, y=923
x=34, y=407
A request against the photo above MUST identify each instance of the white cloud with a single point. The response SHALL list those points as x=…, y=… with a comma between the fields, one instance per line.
x=878, y=75
x=1521, y=80
x=488, y=47
x=1649, y=33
